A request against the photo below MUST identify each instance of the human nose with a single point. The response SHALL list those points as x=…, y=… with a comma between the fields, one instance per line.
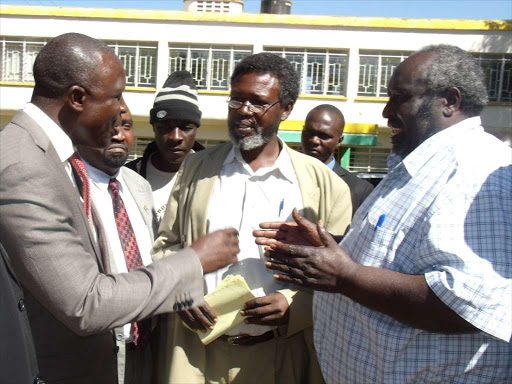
x=119, y=133
x=176, y=134
x=246, y=108
x=387, y=111
x=314, y=140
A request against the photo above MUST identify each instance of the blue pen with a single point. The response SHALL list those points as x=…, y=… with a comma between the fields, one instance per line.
x=380, y=222
x=281, y=206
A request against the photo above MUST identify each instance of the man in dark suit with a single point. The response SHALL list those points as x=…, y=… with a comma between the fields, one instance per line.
x=18, y=364
x=49, y=229
x=321, y=136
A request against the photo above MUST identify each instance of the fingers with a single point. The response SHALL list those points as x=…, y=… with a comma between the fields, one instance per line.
x=230, y=232
x=325, y=236
x=198, y=318
x=280, y=225
x=267, y=310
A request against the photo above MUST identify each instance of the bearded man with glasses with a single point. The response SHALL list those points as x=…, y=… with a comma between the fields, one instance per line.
x=255, y=178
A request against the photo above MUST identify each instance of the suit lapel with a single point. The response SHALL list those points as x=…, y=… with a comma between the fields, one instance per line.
x=310, y=192
x=202, y=190
x=64, y=183
x=140, y=196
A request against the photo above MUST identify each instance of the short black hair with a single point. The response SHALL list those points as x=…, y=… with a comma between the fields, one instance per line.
x=67, y=60
x=266, y=62
x=332, y=110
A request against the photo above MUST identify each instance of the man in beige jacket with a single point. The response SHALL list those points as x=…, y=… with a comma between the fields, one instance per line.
x=255, y=178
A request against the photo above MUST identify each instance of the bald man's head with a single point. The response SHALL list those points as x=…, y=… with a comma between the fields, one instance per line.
x=67, y=60
x=323, y=132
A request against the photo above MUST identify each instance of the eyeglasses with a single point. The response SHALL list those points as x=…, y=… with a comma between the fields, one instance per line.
x=257, y=109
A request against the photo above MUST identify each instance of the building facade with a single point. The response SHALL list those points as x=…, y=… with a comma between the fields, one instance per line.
x=344, y=61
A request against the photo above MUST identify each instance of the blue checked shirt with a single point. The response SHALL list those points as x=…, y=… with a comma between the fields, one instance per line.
x=448, y=208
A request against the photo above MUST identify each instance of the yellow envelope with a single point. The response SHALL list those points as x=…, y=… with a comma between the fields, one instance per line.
x=227, y=300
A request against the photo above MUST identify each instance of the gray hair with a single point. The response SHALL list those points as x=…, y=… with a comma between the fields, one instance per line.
x=453, y=67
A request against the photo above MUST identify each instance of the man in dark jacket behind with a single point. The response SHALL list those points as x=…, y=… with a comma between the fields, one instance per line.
x=321, y=136
x=175, y=117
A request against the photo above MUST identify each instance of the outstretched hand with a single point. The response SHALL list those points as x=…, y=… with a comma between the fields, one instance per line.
x=323, y=268
x=300, y=232
x=200, y=318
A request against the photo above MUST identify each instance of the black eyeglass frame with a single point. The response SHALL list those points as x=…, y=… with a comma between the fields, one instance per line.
x=256, y=109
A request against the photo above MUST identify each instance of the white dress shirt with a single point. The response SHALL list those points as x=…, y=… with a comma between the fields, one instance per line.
x=243, y=199
x=444, y=212
x=102, y=200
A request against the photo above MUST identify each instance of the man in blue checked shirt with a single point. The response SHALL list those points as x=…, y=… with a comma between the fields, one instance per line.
x=420, y=289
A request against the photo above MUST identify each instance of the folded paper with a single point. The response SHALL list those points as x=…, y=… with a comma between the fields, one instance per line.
x=227, y=300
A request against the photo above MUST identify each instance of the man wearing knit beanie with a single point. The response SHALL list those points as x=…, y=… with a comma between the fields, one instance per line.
x=175, y=117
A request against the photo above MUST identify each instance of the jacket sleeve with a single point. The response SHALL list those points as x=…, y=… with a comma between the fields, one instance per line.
x=44, y=230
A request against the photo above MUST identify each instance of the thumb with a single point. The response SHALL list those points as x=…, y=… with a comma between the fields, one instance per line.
x=325, y=236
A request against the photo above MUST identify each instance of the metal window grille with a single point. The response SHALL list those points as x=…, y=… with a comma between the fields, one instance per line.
x=321, y=71
x=498, y=76
x=368, y=160
x=17, y=57
x=138, y=147
x=210, y=66
x=375, y=70
x=139, y=61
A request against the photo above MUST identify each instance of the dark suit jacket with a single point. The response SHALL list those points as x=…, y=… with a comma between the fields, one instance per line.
x=72, y=304
x=18, y=364
x=359, y=188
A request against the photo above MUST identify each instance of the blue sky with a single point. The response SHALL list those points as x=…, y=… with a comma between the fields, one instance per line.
x=455, y=9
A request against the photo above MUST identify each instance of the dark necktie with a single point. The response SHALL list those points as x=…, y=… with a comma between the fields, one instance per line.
x=141, y=329
x=79, y=166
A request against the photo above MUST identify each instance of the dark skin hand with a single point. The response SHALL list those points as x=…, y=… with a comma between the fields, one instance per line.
x=407, y=298
x=300, y=232
x=217, y=249
x=201, y=318
x=267, y=310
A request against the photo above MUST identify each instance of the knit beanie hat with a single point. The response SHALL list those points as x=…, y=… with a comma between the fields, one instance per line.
x=177, y=100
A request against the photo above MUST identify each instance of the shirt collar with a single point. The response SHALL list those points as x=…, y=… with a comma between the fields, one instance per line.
x=283, y=163
x=60, y=141
x=331, y=163
x=442, y=140
x=100, y=178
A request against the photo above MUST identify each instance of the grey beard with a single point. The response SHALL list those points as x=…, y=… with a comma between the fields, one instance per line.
x=248, y=143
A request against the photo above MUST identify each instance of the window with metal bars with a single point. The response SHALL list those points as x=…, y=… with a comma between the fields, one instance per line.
x=321, y=71
x=375, y=70
x=498, y=76
x=139, y=61
x=211, y=66
x=368, y=160
x=17, y=56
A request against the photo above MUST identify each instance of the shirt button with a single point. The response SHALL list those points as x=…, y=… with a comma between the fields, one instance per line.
x=119, y=337
x=21, y=305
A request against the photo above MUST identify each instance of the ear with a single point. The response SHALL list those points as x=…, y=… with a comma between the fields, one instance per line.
x=287, y=110
x=451, y=102
x=76, y=98
x=340, y=140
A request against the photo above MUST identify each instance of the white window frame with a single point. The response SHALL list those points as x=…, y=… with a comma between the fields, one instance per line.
x=138, y=46
x=210, y=49
x=27, y=61
x=327, y=54
x=374, y=159
x=502, y=60
x=380, y=90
